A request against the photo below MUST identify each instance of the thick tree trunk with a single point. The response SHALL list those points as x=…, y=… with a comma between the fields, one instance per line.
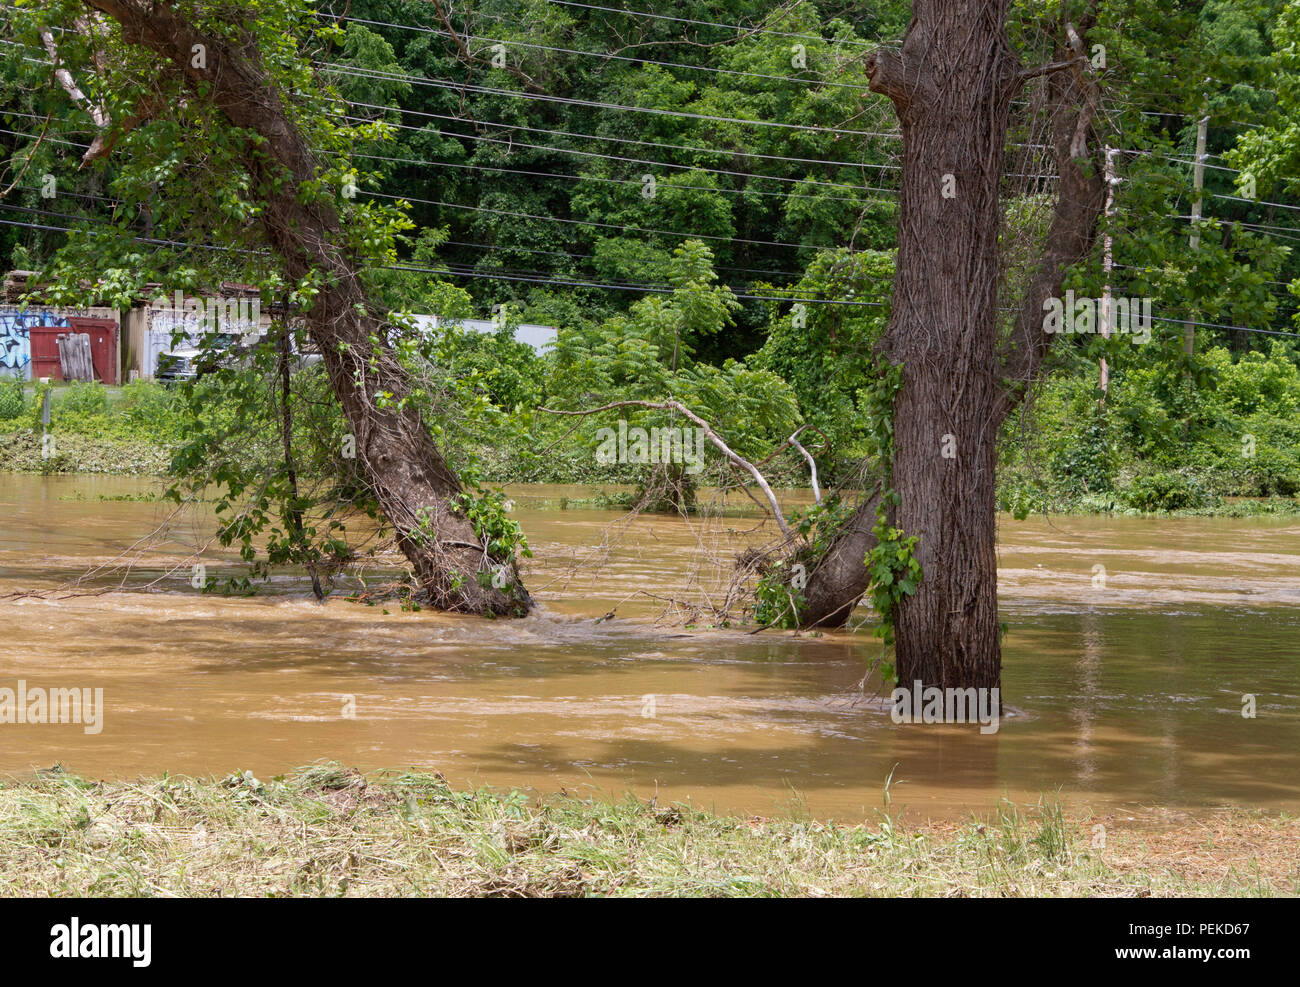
x=955, y=113
x=952, y=85
x=411, y=481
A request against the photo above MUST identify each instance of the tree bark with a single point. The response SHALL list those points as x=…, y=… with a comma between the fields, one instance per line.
x=952, y=83
x=838, y=579
x=411, y=481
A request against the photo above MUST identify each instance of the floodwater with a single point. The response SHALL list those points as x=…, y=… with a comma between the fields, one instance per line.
x=1129, y=678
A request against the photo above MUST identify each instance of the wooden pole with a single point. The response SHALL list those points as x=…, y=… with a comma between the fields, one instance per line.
x=1107, y=264
x=1194, y=241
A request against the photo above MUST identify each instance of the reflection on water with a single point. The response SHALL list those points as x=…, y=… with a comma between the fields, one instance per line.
x=1132, y=692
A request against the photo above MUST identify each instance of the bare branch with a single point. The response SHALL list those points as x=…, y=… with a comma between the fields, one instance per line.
x=793, y=442
x=30, y=157
x=1047, y=69
x=812, y=468
x=69, y=84
x=97, y=113
x=709, y=433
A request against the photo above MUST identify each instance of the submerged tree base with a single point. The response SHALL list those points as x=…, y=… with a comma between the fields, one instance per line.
x=328, y=831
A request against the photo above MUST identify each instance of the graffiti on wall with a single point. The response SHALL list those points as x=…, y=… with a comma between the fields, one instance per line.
x=183, y=321
x=15, y=350
x=169, y=330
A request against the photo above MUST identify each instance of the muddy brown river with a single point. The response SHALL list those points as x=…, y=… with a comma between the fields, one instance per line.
x=1130, y=677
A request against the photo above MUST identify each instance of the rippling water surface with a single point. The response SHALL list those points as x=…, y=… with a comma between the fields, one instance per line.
x=1131, y=692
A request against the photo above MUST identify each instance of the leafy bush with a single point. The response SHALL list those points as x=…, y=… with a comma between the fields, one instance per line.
x=1165, y=492
x=826, y=353
x=11, y=398
x=82, y=408
x=1228, y=425
x=1087, y=461
x=83, y=398
x=150, y=409
x=1020, y=499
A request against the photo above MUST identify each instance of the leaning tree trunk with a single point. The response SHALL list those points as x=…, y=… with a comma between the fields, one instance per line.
x=952, y=85
x=837, y=580
x=411, y=480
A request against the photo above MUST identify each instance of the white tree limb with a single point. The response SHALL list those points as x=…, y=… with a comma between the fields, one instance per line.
x=708, y=432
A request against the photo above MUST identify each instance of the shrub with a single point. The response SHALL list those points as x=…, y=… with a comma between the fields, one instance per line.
x=1165, y=492
x=84, y=398
x=150, y=409
x=11, y=398
x=82, y=408
x=1085, y=463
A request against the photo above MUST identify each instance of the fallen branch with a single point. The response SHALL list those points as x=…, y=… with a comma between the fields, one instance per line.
x=793, y=440
x=812, y=468
x=708, y=432
x=98, y=115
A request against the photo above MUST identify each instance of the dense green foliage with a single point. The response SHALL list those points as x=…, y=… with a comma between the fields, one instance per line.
x=1236, y=433
x=707, y=215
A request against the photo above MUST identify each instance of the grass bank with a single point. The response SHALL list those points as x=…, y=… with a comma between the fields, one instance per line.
x=21, y=452
x=326, y=831
x=134, y=430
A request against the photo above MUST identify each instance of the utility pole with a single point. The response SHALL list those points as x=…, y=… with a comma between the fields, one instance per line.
x=1194, y=241
x=1107, y=264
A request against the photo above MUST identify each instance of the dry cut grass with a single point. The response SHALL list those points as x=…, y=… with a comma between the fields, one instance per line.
x=325, y=830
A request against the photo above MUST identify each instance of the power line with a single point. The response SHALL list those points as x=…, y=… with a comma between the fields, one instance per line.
x=463, y=87
x=1264, y=229
x=601, y=225
x=582, y=222
x=697, y=23
x=687, y=235
x=613, y=157
x=459, y=243
x=511, y=143
x=618, y=140
x=596, y=284
x=1216, y=325
x=539, y=279
x=489, y=90
x=1220, y=221
x=619, y=181
x=594, y=154
x=380, y=75
x=599, y=54
x=52, y=140
x=1255, y=202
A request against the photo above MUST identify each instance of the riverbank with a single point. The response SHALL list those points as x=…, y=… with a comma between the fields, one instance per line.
x=136, y=430
x=21, y=453
x=326, y=831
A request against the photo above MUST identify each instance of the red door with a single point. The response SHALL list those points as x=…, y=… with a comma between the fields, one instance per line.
x=103, y=345
x=44, y=342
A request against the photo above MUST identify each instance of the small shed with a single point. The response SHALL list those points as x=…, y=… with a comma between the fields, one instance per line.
x=85, y=349
x=17, y=320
